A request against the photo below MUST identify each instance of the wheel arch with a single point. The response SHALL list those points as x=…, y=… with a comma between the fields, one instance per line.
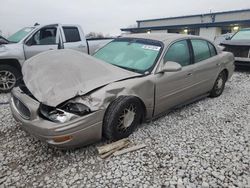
x=226, y=72
x=144, y=113
x=109, y=129
x=11, y=62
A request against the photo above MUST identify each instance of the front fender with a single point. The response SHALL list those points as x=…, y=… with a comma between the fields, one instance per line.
x=141, y=87
x=12, y=51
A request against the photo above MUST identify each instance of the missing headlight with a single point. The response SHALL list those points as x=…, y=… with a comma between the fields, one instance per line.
x=76, y=108
x=64, y=113
x=56, y=115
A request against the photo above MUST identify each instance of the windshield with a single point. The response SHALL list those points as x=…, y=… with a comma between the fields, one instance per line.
x=136, y=55
x=16, y=37
x=242, y=35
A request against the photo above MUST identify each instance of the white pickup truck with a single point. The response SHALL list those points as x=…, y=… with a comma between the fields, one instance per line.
x=30, y=41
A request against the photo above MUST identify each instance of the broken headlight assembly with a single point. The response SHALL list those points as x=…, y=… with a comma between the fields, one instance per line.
x=76, y=108
x=65, y=113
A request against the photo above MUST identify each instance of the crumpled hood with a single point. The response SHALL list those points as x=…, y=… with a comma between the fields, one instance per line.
x=56, y=76
x=236, y=42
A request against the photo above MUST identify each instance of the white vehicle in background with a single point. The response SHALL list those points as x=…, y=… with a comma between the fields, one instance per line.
x=30, y=41
x=221, y=38
x=3, y=40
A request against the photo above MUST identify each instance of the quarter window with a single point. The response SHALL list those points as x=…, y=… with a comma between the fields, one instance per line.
x=212, y=49
x=179, y=53
x=201, y=50
x=71, y=34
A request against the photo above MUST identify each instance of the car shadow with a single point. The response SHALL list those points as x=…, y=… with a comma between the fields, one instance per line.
x=243, y=69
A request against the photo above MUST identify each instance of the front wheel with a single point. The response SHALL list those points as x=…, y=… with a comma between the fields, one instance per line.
x=219, y=85
x=122, y=117
x=9, y=77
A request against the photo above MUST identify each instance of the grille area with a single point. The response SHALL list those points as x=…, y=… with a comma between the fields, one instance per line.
x=21, y=108
x=238, y=51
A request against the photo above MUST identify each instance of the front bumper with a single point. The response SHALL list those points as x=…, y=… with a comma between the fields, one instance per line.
x=82, y=131
x=242, y=61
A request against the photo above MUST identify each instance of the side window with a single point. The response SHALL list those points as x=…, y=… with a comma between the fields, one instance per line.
x=201, y=50
x=71, y=34
x=179, y=53
x=212, y=49
x=45, y=36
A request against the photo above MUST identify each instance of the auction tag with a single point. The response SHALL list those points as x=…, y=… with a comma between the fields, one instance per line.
x=27, y=29
x=150, y=47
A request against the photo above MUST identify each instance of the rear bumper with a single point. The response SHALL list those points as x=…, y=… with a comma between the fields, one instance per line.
x=82, y=131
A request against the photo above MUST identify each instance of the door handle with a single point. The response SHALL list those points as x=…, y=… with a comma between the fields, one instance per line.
x=190, y=74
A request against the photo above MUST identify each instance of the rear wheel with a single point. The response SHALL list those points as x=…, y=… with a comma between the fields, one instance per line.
x=9, y=77
x=122, y=117
x=219, y=85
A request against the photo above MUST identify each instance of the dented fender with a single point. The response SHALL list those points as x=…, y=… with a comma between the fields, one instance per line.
x=141, y=87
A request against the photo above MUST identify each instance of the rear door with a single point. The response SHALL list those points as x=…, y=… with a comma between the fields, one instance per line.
x=174, y=88
x=74, y=39
x=46, y=38
x=207, y=65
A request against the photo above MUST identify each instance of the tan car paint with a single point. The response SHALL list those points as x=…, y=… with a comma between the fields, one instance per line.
x=159, y=92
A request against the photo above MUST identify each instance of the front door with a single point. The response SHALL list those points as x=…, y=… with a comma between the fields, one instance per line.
x=174, y=88
x=44, y=39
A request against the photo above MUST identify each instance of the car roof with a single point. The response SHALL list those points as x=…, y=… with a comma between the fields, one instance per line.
x=160, y=36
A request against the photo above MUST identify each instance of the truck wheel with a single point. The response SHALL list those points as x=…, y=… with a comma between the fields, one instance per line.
x=122, y=117
x=219, y=85
x=9, y=77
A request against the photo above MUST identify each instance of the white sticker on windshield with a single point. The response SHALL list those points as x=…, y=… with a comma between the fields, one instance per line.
x=150, y=47
x=27, y=30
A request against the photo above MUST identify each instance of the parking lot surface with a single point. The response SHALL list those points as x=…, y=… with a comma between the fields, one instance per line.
x=200, y=145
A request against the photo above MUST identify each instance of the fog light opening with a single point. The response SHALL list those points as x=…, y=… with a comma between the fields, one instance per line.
x=62, y=139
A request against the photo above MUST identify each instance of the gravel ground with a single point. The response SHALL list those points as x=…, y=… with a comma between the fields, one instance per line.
x=205, y=144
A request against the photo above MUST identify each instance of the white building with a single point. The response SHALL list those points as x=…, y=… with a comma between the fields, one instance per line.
x=206, y=25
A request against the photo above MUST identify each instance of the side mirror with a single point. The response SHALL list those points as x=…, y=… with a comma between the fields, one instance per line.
x=171, y=66
x=29, y=42
x=228, y=38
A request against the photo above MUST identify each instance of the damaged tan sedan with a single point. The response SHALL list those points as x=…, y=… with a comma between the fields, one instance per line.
x=70, y=99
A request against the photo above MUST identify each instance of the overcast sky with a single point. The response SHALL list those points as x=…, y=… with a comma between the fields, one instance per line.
x=106, y=16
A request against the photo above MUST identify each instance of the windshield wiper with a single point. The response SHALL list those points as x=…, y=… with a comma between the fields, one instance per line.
x=130, y=69
x=126, y=68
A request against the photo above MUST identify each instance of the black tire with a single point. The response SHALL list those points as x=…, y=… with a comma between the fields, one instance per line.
x=112, y=128
x=14, y=75
x=219, y=85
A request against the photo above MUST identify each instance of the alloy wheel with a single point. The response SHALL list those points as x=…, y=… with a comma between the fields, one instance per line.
x=7, y=80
